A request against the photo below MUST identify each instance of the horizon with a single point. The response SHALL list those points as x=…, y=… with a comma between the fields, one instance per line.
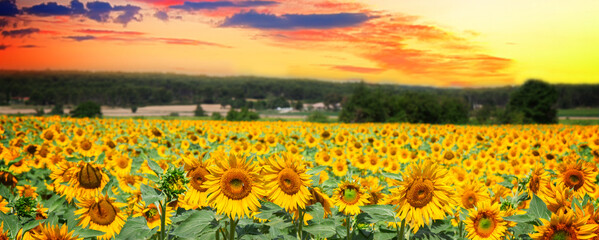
x=462, y=44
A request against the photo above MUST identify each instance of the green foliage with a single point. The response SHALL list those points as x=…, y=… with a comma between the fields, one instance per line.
x=134, y=108
x=25, y=207
x=216, y=116
x=317, y=116
x=173, y=182
x=199, y=111
x=39, y=111
x=536, y=100
x=87, y=109
x=58, y=109
x=174, y=114
x=243, y=115
x=414, y=107
x=298, y=105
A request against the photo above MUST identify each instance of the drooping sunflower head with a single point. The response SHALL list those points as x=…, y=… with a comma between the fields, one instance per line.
x=538, y=181
x=486, y=222
x=89, y=180
x=424, y=195
x=472, y=193
x=565, y=225
x=286, y=180
x=49, y=232
x=103, y=214
x=349, y=196
x=7, y=178
x=234, y=185
x=319, y=197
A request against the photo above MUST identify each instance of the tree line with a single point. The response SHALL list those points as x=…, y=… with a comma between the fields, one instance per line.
x=142, y=89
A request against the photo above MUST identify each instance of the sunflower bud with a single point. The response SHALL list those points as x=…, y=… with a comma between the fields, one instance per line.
x=89, y=176
x=173, y=182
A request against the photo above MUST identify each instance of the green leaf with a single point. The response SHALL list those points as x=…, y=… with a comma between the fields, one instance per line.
x=86, y=233
x=150, y=195
x=538, y=208
x=135, y=228
x=11, y=223
x=155, y=167
x=316, y=170
x=101, y=157
x=32, y=224
x=268, y=210
x=385, y=234
x=195, y=224
x=325, y=229
x=524, y=218
x=379, y=213
x=522, y=228
x=392, y=176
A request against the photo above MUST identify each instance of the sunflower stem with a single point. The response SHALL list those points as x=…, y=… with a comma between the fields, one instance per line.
x=460, y=230
x=232, y=229
x=348, y=225
x=300, y=223
x=163, y=220
x=401, y=234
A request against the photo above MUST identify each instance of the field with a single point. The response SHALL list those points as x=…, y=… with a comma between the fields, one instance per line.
x=179, y=179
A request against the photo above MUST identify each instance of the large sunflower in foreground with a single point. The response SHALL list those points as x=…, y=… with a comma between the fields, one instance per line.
x=349, y=196
x=49, y=232
x=286, y=181
x=579, y=176
x=102, y=214
x=565, y=225
x=197, y=172
x=424, y=195
x=234, y=186
x=486, y=222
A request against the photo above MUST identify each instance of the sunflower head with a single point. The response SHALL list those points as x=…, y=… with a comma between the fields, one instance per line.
x=103, y=214
x=565, y=225
x=89, y=176
x=7, y=178
x=349, y=196
x=286, y=180
x=486, y=221
x=49, y=232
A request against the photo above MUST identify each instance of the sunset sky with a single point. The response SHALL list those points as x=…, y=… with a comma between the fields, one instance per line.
x=445, y=43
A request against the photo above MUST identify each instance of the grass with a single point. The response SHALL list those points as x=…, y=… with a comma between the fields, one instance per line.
x=578, y=112
x=302, y=113
x=579, y=121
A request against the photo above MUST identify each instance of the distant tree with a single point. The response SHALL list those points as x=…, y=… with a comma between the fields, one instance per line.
x=299, y=105
x=58, y=109
x=216, y=116
x=199, y=111
x=317, y=116
x=134, y=109
x=454, y=110
x=483, y=115
x=243, y=115
x=87, y=109
x=39, y=111
x=536, y=100
x=364, y=106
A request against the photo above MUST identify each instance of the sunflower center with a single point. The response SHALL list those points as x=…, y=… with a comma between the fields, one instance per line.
x=197, y=177
x=102, y=213
x=89, y=177
x=156, y=132
x=574, y=179
x=86, y=145
x=351, y=195
x=469, y=199
x=31, y=149
x=485, y=226
x=289, y=181
x=49, y=135
x=123, y=163
x=236, y=184
x=448, y=156
x=534, y=184
x=560, y=235
x=420, y=193
x=152, y=214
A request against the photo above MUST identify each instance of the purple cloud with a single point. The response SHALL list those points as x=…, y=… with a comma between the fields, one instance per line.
x=162, y=15
x=190, y=6
x=81, y=38
x=253, y=19
x=8, y=8
x=20, y=32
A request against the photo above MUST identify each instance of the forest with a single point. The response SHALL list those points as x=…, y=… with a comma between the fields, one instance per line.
x=142, y=89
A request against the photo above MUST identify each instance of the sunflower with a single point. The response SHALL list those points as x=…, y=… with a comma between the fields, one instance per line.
x=7, y=178
x=87, y=148
x=152, y=215
x=340, y=168
x=558, y=198
x=286, y=181
x=88, y=181
x=3, y=204
x=317, y=196
x=27, y=191
x=538, y=182
x=578, y=176
x=103, y=214
x=565, y=225
x=424, y=194
x=472, y=193
x=197, y=172
x=48, y=232
x=120, y=165
x=234, y=186
x=486, y=222
x=349, y=196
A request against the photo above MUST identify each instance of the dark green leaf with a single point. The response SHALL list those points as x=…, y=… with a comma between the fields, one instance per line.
x=538, y=208
x=150, y=195
x=194, y=225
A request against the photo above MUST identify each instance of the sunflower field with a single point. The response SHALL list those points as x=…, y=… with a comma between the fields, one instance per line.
x=66, y=178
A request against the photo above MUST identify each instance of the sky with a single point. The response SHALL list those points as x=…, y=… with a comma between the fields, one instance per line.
x=442, y=43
